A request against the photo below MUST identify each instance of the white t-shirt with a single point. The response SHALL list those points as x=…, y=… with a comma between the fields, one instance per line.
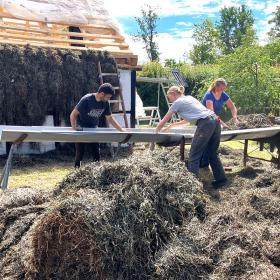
x=190, y=109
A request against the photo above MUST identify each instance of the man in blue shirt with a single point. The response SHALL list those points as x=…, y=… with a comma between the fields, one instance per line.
x=88, y=112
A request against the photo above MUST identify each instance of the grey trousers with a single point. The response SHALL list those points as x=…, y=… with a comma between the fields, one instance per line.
x=207, y=140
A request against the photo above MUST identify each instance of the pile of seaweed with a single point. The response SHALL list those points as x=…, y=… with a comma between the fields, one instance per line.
x=250, y=121
x=36, y=81
x=144, y=217
x=105, y=221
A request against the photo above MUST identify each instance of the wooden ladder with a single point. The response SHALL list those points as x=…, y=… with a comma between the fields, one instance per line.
x=118, y=91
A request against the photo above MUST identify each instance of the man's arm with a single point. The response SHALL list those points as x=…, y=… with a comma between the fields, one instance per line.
x=73, y=119
x=110, y=119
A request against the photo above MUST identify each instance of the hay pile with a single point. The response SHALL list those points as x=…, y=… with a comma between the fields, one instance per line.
x=19, y=209
x=144, y=218
x=251, y=121
x=109, y=221
x=36, y=81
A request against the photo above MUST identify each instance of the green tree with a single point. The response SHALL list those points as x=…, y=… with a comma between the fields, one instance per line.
x=147, y=33
x=205, y=51
x=236, y=28
x=170, y=62
x=275, y=30
x=251, y=79
x=273, y=50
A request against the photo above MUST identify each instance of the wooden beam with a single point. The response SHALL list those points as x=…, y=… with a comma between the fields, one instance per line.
x=98, y=26
x=48, y=31
x=97, y=44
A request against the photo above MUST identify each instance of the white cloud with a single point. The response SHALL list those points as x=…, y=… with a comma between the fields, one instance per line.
x=174, y=47
x=271, y=6
x=169, y=46
x=123, y=8
x=263, y=28
x=137, y=48
x=184, y=23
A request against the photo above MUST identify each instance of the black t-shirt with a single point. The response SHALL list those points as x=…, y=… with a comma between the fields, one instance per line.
x=91, y=110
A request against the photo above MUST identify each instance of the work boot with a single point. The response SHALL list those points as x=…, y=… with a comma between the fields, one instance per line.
x=220, y=183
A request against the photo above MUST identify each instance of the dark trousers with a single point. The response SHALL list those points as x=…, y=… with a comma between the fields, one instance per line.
x=207, y=140
x=204, y=161
x=80, y=149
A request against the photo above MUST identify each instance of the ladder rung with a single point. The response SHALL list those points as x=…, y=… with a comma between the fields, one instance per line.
x=108, y=74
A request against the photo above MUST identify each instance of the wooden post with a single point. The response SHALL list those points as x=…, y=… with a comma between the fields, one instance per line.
x=245, y=152
x=182, y=149
x=7, y=168
x=278, y=158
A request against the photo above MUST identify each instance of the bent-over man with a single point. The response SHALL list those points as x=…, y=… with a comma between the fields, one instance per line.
x=87, y=113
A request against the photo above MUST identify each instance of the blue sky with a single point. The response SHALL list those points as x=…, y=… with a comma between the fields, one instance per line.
x=177, y=17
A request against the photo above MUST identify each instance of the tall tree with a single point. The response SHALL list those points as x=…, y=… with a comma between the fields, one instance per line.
x=236, y=28
x=205, y=51
x=147, y=33
x=275, y=30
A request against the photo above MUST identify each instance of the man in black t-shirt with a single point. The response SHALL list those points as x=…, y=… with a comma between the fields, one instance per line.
x=88, y=113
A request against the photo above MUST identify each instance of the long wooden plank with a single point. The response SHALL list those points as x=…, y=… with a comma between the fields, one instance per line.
x=117, y=54
x=46, y=39
x=8, y=15
x=49, y=31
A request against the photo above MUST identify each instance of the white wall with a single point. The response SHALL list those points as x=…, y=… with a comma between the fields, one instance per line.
x=120, y=119
x=125, y=81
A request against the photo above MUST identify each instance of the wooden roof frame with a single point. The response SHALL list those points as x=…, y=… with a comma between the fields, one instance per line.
x=19, y=31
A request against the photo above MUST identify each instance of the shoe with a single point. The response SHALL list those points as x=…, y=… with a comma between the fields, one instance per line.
x=220, y=183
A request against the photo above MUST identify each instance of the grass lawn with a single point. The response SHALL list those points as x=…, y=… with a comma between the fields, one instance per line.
x=253, y=149
x=43, y=176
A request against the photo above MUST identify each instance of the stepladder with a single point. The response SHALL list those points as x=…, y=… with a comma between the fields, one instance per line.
x=151, y=117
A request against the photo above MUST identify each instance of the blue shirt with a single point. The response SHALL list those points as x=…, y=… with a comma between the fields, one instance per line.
x=217, y=104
